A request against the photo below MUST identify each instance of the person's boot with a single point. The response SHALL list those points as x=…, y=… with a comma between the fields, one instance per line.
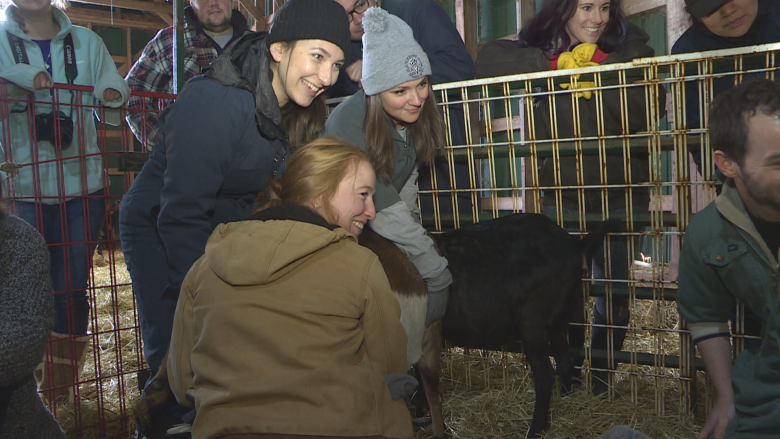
x=62, y=366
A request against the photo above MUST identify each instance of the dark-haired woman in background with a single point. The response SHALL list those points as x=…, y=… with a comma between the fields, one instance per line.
x=578, y=33
x=396, y=121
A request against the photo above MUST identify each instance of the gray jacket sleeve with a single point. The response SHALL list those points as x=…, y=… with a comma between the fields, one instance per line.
x=409, y=192
x=397, y=224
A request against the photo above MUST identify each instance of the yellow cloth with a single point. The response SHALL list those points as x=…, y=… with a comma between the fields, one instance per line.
x=579, y=57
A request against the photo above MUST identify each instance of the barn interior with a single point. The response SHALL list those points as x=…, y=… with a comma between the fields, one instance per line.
x=657, y=383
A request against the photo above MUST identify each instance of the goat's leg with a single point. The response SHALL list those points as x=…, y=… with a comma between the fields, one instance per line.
x=563, y=359
x=577, y=330
x=430, y=369
x=155, y=401
x=536, y=350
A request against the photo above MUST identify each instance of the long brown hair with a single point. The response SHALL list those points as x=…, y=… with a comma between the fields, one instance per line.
x=427, y=135
x=304, y=124
x=314, y=172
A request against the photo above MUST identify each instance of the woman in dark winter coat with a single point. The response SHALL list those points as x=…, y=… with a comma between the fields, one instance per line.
x=572, y=33
x=224, y=139
x=725, y=24
x=26, y=319
x=395, y=120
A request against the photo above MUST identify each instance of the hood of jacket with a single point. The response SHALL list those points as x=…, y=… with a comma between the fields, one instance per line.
x=13, y=27
x=269, y=244
x=246, y=64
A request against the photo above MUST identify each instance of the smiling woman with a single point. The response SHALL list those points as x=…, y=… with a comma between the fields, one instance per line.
x=286, y=327
x=588, y=21
x=396, y=121
x=221, y=142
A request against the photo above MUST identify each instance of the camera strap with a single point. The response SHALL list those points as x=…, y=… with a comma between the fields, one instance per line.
x=68, y=50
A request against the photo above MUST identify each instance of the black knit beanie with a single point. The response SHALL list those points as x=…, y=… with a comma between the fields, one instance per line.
x=311, y=20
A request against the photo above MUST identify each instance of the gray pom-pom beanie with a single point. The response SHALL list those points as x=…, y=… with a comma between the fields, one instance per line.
x=391, y=56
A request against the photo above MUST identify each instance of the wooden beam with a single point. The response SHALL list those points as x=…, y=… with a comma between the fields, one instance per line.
x=85, y=16
x=158, y=8
x=525, y=10
x=631, y=7
x=257, y=13
x=124, y=68
x=466, y=24
x=167, y=18
x=677, y=21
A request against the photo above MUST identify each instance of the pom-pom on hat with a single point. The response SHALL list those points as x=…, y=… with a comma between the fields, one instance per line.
x=311, y=20
x=391, y=56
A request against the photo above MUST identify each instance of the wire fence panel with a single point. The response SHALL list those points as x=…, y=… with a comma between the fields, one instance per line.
x=626, y=141
x=614, y=141
x=64, y=170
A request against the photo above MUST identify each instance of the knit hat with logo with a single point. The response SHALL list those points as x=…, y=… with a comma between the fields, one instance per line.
x=391, y=56
x=311, y=20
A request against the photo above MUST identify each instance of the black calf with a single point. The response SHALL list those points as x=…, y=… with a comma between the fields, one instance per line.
x=519, y=277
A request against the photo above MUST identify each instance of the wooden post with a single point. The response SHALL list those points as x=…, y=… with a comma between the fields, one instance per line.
x=466, y=23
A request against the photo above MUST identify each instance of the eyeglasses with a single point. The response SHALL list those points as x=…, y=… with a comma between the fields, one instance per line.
x=359, y=9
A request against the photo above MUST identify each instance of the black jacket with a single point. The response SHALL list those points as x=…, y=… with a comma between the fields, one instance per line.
x=766, y=29
x=223, y=142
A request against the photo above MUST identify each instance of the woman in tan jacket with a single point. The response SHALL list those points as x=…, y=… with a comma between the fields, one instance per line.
x=286, y=326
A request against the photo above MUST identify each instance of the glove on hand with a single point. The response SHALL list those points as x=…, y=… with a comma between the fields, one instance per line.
x=400, y=385
x=437, y=305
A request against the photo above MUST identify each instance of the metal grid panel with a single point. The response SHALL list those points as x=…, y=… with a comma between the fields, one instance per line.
x=651, y=114
x=100, y=405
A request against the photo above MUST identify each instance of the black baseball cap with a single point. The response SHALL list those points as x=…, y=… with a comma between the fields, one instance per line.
x=703, y=8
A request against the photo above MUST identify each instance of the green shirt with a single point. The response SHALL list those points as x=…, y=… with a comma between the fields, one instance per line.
x=724, y=259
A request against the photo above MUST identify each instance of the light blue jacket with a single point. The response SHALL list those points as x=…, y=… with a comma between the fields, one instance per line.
x=81, y=162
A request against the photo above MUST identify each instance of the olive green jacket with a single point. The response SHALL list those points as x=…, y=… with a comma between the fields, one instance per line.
x=724, y=259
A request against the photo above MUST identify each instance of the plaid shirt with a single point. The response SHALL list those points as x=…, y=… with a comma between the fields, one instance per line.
x=153, y=72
